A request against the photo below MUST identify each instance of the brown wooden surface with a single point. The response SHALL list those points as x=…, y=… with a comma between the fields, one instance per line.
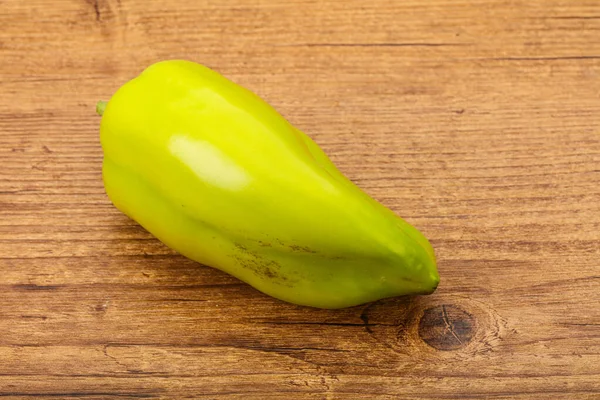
x=477, y=121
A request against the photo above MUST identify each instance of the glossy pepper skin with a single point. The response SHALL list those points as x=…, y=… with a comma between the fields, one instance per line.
x=217, y=174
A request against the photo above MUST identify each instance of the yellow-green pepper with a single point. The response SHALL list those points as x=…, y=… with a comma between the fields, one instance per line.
x=217, y=174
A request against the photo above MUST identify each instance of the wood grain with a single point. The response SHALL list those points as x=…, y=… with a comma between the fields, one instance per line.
x=477, y=121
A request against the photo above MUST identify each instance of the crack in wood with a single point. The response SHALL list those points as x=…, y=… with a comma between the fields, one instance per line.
x=389, y=44
x=549, y=58
x=96, y=7
x=449, y=326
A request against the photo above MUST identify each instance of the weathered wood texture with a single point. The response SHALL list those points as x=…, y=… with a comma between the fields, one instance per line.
x=478, y=121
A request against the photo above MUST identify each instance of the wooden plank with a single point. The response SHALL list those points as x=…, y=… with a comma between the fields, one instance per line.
x=478, y=121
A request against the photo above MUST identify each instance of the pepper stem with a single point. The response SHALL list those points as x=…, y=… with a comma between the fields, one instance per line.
x=100, y=107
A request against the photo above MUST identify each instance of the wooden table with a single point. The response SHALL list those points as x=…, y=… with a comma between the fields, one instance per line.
x=477, y=121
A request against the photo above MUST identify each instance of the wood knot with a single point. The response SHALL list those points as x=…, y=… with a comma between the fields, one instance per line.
x=433, y=328
x=446, y=327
